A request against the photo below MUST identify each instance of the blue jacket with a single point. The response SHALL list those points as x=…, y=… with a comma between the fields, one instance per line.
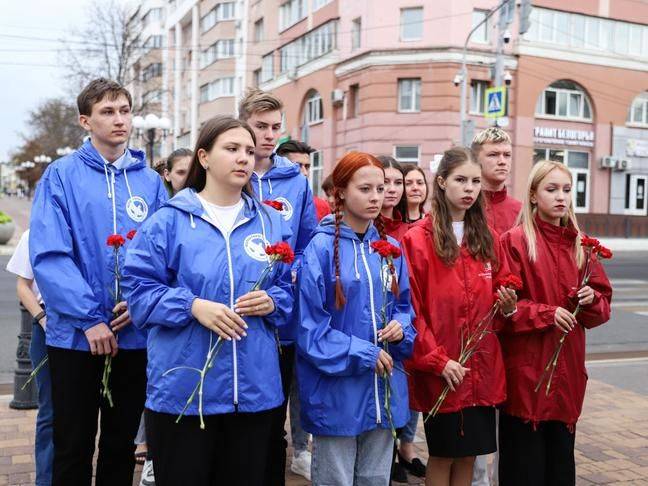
x=79, y=202
x=178, y=256
x=285, y=183
x=339, y=390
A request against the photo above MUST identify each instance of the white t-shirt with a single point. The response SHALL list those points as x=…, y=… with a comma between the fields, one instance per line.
x=223, y=217
x=19, y=264
x=458, y=228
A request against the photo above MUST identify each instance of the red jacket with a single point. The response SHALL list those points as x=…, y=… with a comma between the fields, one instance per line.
x=530, y=336
x=322, y=207
x=396, y=228
x=447, y=299
x=501, y=210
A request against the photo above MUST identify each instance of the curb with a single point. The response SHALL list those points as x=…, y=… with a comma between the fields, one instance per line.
x=625, y=244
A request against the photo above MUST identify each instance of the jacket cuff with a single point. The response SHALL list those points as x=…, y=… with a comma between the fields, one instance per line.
x=440, y=360
x=367, y=352
x=88, y=325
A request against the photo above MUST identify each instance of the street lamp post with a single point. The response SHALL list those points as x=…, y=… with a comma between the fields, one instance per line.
x=146, y=127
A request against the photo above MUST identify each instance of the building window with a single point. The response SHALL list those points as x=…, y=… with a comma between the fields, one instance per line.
x=256, y=75
x=221, y=49
x=356, y=33
x=635, y=195
x=477, y=96
x=153, y=96
x=587, y=32
x=152, y=71
x=258, y=30
x=291, y=12
x=578, y=164
x=566, y=100
x=221, y=12
x=354, y=101
x=314, y=44
x=314, y=109
x=411, y=24
x=316, y=172
x=409, y=95
x=153, y=42
x=317, y=4
x=153, y=15
x=638, y=113
x=407, y=153
x=481, y=35
x=217, y=89
x=267, y=68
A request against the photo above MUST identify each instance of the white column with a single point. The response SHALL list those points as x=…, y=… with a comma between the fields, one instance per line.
x=177, y=90
x=195, y=54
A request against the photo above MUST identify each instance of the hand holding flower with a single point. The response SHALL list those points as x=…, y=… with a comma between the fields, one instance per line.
x=507, y=299
x=255, y=303
x=585, y=295
x=453, y=373
x=219, y=318
x=384, y=363
x=392, y=333
x=564, y=320
x=123, y=317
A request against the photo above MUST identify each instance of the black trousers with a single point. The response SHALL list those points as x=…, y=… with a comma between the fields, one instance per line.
x=76, y=397
x=540, y=457
x=276, y=464
x=230, y=450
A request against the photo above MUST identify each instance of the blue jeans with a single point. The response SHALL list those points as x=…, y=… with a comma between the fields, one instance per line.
x=362, y=460
x=409, y=431
x=299, y=435
x=44, y=444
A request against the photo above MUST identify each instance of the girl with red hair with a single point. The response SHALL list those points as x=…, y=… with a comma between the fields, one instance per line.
x=355, y=328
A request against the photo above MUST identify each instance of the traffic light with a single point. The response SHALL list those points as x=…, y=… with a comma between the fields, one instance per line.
x=525, y=15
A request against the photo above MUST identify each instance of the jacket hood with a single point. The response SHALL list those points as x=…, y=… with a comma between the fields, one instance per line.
x=281, y=168
x=135, y=159
x=327, y=226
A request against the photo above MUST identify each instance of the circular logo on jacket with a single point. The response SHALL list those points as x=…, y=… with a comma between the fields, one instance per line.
x=287, y=210
x=137, y=209
x=255, y=246
x=386, y=277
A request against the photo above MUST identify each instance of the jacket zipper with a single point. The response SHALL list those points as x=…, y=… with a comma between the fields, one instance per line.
x=231, y=279
x=375, y=329
x=260, y=189
x=472, y=358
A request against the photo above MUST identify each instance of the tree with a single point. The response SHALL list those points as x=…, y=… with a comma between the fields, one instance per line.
x=52, y=125
x=106, y=46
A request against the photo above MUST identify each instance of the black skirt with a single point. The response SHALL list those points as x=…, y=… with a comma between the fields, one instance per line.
x=469, y=432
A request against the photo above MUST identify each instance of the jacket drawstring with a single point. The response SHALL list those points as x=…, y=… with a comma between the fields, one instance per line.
x=130, y=194
x=112, y=197
x=355, y=260
x=193, y=223
x=270, y=185
x=263, y=230
x=107, y=181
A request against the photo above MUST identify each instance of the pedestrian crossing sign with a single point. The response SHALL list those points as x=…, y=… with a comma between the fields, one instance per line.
x=495, y=102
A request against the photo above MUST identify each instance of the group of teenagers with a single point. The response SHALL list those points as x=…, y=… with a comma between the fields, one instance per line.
x=206, y=355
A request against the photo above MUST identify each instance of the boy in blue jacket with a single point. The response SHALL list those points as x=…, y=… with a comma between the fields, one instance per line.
x=102, y=189
x=278, y=179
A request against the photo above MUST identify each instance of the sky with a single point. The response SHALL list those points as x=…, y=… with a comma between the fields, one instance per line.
x=30, y=33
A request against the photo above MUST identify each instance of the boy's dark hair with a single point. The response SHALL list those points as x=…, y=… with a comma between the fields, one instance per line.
x=97, y=90
x=294, y=147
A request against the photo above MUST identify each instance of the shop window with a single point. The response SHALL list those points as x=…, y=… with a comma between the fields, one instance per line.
x=635, y=195
x=578, y=163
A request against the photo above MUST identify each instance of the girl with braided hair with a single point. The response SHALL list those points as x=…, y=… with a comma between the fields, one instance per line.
x=344, y=287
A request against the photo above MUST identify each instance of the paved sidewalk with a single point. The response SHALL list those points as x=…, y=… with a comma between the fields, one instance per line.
x=611, y=440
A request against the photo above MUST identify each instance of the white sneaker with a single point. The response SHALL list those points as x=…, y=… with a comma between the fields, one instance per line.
x=148, y=479
x=301, y=464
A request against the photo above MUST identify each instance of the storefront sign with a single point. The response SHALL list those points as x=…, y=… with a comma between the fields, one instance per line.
x=636, y=148
x=561, y=136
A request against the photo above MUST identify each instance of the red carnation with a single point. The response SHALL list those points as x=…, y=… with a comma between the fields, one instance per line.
x=604, y=252
x=278, y=205
x=385, y=249
x=115, y=241
x=588, y=242
x=131, y=234
x=510, y=282
x=281, y=252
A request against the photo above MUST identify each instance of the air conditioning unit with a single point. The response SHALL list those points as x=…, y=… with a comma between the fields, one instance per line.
x=608, y=162
x=337, y=96
x=623, y=164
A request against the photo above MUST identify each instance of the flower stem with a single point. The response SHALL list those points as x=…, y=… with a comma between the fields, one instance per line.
x=35, y=371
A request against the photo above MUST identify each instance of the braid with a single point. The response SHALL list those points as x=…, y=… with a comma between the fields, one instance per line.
x=340, y=299
x=379, y=223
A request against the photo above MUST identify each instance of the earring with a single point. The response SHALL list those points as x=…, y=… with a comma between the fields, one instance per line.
x=206, y=167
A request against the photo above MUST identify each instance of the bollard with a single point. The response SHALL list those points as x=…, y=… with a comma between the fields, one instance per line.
x=27, y=398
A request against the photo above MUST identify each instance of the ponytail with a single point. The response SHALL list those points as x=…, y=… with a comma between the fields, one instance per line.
x=340, y=299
